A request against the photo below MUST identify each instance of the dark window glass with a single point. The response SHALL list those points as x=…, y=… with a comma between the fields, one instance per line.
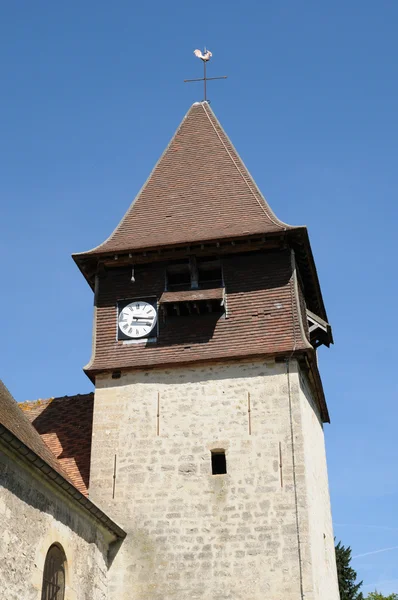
x=193, y=273
x=209, y=272
x=54, y=574
x=179, y=276
x=218, y=462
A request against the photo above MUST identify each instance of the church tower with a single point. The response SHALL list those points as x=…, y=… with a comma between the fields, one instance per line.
x=208, y=445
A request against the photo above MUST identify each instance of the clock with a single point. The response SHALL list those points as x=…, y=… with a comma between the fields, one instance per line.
x=136, y=320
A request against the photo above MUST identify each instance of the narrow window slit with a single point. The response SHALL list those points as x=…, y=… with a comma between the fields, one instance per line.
x=114, y=477
x=249, y=413
x=218, y=462
x=158, y=416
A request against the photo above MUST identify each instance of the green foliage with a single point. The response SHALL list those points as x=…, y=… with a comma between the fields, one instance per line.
x=377, y=596
x=349, y=589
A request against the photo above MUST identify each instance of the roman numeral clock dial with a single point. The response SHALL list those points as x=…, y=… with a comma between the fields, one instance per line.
x=137, y=320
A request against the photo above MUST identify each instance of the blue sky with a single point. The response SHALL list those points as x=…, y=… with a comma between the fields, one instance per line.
x=91, y=94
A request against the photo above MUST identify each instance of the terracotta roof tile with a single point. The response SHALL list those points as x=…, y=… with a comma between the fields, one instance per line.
x=65, y=425
x=199, y=190
x=13, y=419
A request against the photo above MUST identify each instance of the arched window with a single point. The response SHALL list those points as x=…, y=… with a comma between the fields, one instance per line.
x=54, y=574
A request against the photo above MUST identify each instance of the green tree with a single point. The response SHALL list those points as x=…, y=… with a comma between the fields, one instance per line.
x=349, y=589
x=377, y=596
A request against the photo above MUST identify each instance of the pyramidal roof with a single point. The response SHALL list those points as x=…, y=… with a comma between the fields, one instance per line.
x=199, y=190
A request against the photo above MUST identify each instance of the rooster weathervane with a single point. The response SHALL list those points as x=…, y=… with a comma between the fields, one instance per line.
x=205, y=57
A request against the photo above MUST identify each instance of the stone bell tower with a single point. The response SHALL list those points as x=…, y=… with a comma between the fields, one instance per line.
x=208, y=443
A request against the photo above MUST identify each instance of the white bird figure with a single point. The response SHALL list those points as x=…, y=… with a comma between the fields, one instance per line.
x=205, y=57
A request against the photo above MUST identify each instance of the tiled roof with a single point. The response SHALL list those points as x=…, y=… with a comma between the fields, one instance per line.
x=199, y=190
x=19, y=425
x=65, y=425
x=262, y=309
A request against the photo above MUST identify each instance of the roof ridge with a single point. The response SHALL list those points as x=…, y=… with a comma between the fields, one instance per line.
x=265, y=206
x=262, y=206
x=118, y=226
x=52, y=398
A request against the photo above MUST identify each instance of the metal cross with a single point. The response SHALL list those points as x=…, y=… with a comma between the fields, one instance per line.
x=205, y=57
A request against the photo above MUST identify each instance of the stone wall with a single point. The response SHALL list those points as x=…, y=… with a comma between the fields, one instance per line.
x=33, y=516
x=195, y=535
x=316, y=495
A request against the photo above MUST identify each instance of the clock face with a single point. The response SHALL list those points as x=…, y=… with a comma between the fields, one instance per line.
x=137, y=319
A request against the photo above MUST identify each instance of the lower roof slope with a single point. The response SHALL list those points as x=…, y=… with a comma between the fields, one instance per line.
x=15, y=421
x=65, y=425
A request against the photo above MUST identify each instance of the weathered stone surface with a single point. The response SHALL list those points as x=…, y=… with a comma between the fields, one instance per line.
x=33, y=516
x=192, y=534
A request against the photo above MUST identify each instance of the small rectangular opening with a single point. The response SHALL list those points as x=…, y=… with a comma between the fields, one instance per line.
x=218, y=462
x=179, y=275
x=193, y=273
x=209, y=272
x=198, y=307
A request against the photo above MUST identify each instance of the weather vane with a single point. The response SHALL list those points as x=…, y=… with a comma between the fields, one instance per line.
x=205, y=57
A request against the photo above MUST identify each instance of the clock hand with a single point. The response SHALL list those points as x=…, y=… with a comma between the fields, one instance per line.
x=148, y=317
x=141, y=319
x=137, y=322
